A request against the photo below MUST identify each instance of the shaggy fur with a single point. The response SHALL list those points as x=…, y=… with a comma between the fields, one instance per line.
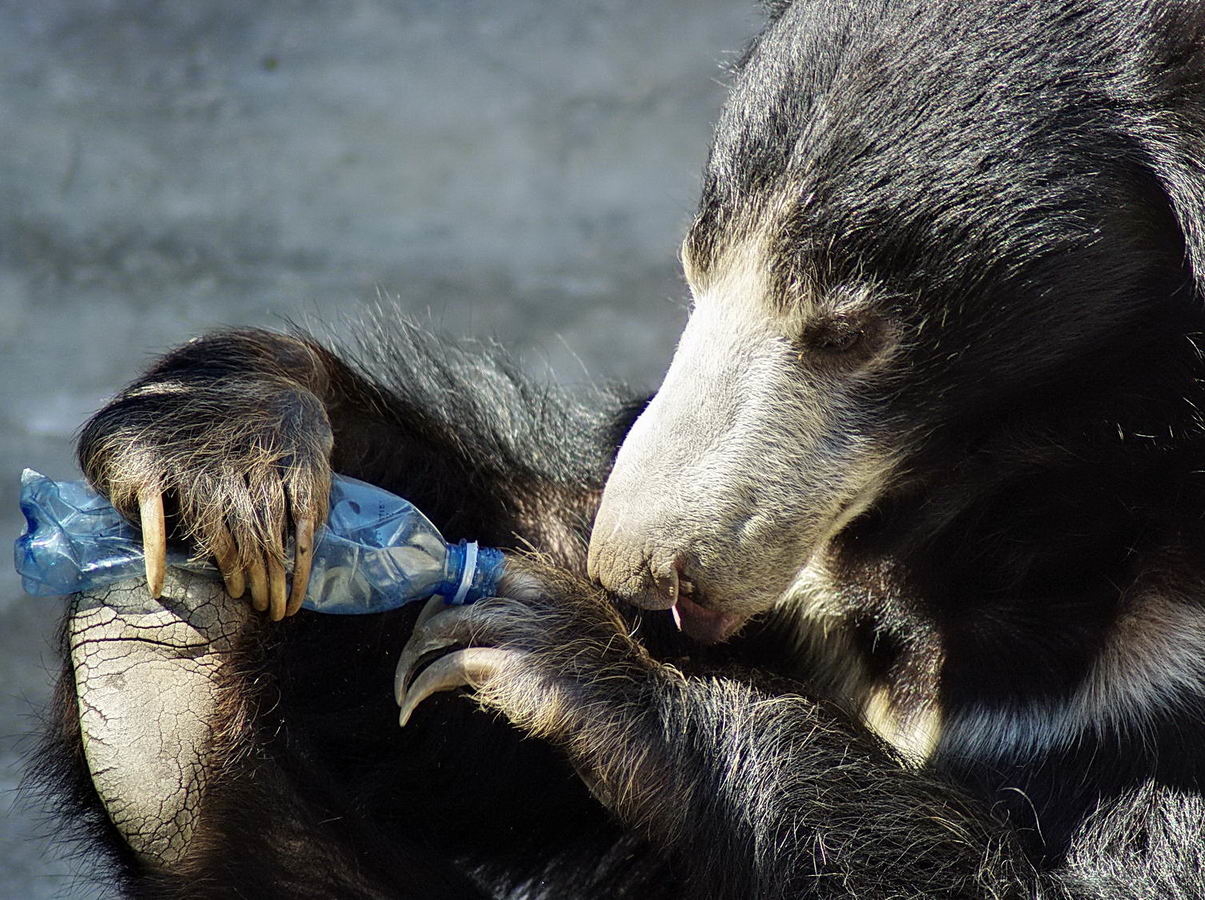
x=932, y=441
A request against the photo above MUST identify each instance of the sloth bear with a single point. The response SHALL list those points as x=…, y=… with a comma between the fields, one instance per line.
x=922, y=490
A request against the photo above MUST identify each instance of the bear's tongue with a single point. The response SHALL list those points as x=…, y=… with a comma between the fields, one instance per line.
x=707, y=626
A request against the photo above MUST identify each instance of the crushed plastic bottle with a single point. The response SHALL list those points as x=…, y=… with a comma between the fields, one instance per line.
x=376, y=552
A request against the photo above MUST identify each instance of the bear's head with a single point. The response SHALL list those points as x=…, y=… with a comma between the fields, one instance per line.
x=921, y=252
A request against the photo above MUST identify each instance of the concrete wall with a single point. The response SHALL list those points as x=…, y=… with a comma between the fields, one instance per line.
x=511, y=168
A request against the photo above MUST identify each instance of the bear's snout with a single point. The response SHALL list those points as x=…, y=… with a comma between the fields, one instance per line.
x=629, y=558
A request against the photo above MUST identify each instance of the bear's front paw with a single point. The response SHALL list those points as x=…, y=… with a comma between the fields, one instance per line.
x=243, y=466
x=554, y=657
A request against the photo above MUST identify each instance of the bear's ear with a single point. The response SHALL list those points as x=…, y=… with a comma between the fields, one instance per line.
x=1175, y=139
x=1185, y=188
x=775, y=8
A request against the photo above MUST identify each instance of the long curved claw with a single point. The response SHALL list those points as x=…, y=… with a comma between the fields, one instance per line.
x=465, y=668
x=277, y=590
x=439, y=626
x=154, y=539
x=257, y=575
x=432, y=607
x=226, y=557
x=303, y=561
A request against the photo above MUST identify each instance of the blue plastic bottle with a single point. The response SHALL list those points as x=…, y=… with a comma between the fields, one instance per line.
x=375, y=553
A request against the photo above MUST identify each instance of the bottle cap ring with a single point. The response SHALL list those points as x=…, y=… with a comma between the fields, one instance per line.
x=466, y=573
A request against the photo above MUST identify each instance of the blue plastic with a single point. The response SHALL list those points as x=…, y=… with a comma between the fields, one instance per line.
x=377, y=551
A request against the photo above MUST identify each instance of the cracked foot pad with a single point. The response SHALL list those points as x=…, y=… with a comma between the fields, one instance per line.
x=147, y=677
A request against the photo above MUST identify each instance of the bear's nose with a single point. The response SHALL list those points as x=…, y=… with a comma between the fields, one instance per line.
x=635, y=562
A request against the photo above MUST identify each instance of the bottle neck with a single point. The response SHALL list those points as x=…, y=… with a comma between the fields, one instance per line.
x=470, y=573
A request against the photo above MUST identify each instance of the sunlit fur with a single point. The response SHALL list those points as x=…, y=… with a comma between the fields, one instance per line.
x=934, y=433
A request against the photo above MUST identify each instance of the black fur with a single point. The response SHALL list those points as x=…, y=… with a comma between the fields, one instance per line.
x=1020, y=184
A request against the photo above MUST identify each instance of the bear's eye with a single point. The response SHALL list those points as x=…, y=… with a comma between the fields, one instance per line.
x=834, y=335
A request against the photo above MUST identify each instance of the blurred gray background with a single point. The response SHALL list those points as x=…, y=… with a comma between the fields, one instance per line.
x=510, y=168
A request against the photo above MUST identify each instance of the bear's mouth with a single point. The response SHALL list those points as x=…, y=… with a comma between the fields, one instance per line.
x=695, y=620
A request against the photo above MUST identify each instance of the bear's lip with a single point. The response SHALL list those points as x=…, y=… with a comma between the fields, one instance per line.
x=707, y=626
